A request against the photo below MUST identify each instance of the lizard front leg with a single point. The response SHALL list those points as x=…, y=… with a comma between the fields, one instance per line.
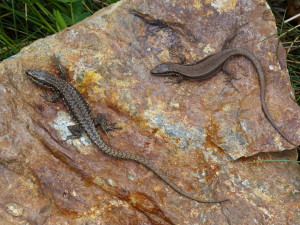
x=61, y=68
x=230, y=76
x=51, y=98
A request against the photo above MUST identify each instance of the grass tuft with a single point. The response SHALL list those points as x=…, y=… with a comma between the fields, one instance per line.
x=24, y=21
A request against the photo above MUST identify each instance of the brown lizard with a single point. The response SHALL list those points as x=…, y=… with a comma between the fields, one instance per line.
x=210, y=66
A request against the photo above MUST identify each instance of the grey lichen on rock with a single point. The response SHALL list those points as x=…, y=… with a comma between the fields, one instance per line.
x=202, y=134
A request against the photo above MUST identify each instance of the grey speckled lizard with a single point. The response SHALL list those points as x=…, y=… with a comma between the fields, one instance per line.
x=80, y=111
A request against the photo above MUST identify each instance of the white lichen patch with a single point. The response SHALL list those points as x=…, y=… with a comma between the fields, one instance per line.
x=174, y=104
x=279, y=142
x=246, y=183
x=61, y=123
x=14, y=209
x=208, y=49
x=243, y=126
x=272, y=68
x=184, y=137
x=72, y=34
x=130, y=176
x=111, y=182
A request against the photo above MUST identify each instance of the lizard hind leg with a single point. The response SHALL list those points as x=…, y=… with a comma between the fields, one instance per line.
x=101, y=120
x=230, y=76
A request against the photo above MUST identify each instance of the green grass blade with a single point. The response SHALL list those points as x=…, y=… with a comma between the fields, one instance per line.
x=60, y=22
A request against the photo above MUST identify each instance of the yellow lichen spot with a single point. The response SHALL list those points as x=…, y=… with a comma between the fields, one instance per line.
x=122, y=102
x=197, y=4
x=99, y=181
x=98, y=90
x=227, y=108
x=165, y=55
x=114, y=97
x=89, y=79
x=124, y=83
x=224, y=5
x=151, y=39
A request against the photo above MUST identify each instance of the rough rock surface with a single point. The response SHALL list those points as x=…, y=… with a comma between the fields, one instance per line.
x=204, y=135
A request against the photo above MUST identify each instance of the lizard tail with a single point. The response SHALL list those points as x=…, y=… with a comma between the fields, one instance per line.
x=123, y=155
x=261, y=77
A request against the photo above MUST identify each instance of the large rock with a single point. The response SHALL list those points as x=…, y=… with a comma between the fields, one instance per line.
x=204, y=135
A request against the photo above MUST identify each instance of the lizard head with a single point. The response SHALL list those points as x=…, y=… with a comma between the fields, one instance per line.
x=40, y=77
x=162, y=69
